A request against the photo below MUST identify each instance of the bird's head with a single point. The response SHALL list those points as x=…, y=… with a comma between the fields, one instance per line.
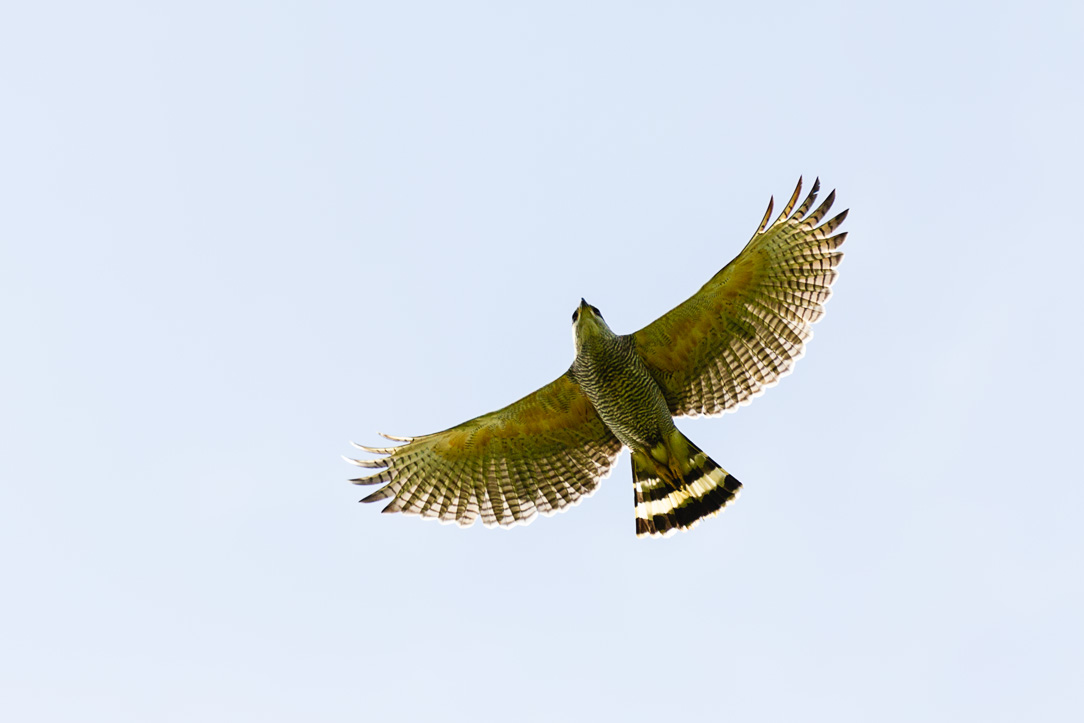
x=587, y=322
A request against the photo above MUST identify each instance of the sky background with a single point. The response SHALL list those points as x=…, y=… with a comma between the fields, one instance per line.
x=235, y=236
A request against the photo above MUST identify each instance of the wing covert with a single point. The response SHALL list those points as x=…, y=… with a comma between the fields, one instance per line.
x=748, y=325
x=542, y=453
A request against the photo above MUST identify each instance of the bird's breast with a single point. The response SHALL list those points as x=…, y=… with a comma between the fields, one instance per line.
x=623, y=392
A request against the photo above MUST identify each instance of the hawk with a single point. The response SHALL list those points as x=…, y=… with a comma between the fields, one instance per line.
x=735, y=337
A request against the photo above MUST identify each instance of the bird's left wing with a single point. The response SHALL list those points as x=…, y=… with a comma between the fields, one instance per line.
x=748, y=325
x=539, y=454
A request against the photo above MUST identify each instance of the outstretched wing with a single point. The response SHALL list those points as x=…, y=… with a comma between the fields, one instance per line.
x=748, y=325
x=540, y=454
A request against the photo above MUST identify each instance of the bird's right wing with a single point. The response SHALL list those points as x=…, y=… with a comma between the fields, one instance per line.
x=540, y=454
x=748, y=325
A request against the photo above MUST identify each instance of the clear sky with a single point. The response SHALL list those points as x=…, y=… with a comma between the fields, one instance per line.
x=235, y=236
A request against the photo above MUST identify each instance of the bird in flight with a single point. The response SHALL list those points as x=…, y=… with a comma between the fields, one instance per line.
x=736, y=336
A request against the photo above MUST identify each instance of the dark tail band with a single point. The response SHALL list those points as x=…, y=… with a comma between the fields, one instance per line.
x=666, y=503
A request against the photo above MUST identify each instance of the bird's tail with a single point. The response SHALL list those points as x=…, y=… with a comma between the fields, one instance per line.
x=677, y=485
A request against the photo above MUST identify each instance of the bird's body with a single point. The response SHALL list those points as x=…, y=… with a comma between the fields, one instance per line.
x=673, y=481
x=723, y=346
x=620, y=387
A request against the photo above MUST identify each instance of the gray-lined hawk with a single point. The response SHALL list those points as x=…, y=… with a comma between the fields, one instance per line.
x=726, y=344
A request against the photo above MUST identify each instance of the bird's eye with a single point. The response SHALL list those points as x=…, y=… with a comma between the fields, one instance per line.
x=575, y=315
x=597, y=312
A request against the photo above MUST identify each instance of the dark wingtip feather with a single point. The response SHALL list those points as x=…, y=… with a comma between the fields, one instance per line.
x=793, y=200
x=767, y=215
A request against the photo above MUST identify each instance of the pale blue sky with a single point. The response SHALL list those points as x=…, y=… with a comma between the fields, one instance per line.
x=235, y=236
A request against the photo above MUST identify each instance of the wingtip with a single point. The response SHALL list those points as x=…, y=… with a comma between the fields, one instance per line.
x=373, y=450
x=368, y=463
x=394, y=438
x=793, y=200
x=767, y=215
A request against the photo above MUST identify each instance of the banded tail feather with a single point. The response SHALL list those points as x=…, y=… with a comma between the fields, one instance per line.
x=676, y=485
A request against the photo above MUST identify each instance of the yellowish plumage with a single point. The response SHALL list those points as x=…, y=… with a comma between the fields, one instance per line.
x=735, y=337
x=537, y=455
x=746, y=327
